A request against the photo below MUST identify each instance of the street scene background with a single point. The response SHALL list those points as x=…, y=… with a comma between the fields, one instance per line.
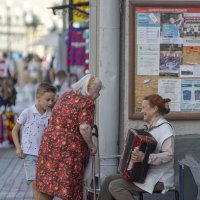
x=36, y=42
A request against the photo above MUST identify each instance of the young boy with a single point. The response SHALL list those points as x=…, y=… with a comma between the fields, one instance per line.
x=33, y=121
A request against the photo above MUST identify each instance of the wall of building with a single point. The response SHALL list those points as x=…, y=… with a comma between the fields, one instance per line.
x=187, y=132
x=16, y=20
x=181, y=127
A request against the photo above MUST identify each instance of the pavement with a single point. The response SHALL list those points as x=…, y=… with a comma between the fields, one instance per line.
x=13, y=184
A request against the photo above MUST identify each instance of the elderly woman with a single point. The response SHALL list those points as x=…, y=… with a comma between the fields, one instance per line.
x=160, y=175
x=67, y=142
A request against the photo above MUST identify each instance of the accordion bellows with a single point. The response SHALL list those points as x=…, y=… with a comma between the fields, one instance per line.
x=136, y=172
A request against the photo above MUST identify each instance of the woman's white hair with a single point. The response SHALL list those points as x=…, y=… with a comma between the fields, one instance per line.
x=82, y=84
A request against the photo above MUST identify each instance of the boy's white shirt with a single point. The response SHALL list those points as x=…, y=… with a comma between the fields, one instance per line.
x=32, y=127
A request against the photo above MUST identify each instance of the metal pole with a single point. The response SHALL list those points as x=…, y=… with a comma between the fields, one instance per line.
x=64, y=28
x=64, y=17
x=70, y=13
x=93, y=175
x=181, y=181
x=70, y=19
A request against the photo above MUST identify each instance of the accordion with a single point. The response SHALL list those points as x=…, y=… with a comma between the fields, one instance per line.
x=136, y=172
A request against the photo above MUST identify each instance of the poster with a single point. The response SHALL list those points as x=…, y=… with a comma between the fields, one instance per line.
x=172, y=28
x=171, y=56
x=192, y=71
x=167, y=47
x=148, y=28
x=192, y=29
x=148, y=59
x=191, y=55
x=190, y=95
x=171, y=88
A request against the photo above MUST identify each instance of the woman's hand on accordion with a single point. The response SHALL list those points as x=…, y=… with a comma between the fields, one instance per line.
x=137, y=156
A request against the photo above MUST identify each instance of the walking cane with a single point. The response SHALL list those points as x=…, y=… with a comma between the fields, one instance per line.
x=93, y=176
x=93, y=162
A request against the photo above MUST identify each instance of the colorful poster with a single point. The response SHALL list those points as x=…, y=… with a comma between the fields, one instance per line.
x=172, y=28
x=190, y=95
x=171, y=56
x=148, y=59
x=192, y=29
x=171, y=88
x=191, y=55
x=176, y=30
x=148, y=28
x=148, y=19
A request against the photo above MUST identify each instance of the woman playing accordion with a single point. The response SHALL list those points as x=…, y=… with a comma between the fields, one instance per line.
x=160, y=173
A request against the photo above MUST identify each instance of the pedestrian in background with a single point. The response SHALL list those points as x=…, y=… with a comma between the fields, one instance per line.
x=63, y=82
x=23, y=76
x=50, y=74
x=67, y=142
x=32, y=122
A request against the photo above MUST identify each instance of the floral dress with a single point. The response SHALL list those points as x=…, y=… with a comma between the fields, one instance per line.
x=63, y=152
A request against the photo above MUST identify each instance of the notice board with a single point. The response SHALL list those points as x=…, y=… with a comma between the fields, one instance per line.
x=164, y=56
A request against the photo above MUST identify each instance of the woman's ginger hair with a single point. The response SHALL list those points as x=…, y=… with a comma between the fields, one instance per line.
x=161, y=103
x=86, y=83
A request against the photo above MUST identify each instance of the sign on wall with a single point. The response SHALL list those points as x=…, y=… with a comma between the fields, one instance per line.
x=165, y=58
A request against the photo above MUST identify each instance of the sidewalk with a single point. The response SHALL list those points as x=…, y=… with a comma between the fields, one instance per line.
x=13, y=184
x=12, y=177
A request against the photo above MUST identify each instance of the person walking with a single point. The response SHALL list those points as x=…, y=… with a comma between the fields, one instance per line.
x=63, y=82
x=67, y=142
x=31, y=122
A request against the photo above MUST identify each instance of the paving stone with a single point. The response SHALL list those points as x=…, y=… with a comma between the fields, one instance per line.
x=12, y=177
x=13, y=184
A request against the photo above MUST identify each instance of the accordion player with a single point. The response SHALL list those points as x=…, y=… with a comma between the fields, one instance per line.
x=136, y=172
